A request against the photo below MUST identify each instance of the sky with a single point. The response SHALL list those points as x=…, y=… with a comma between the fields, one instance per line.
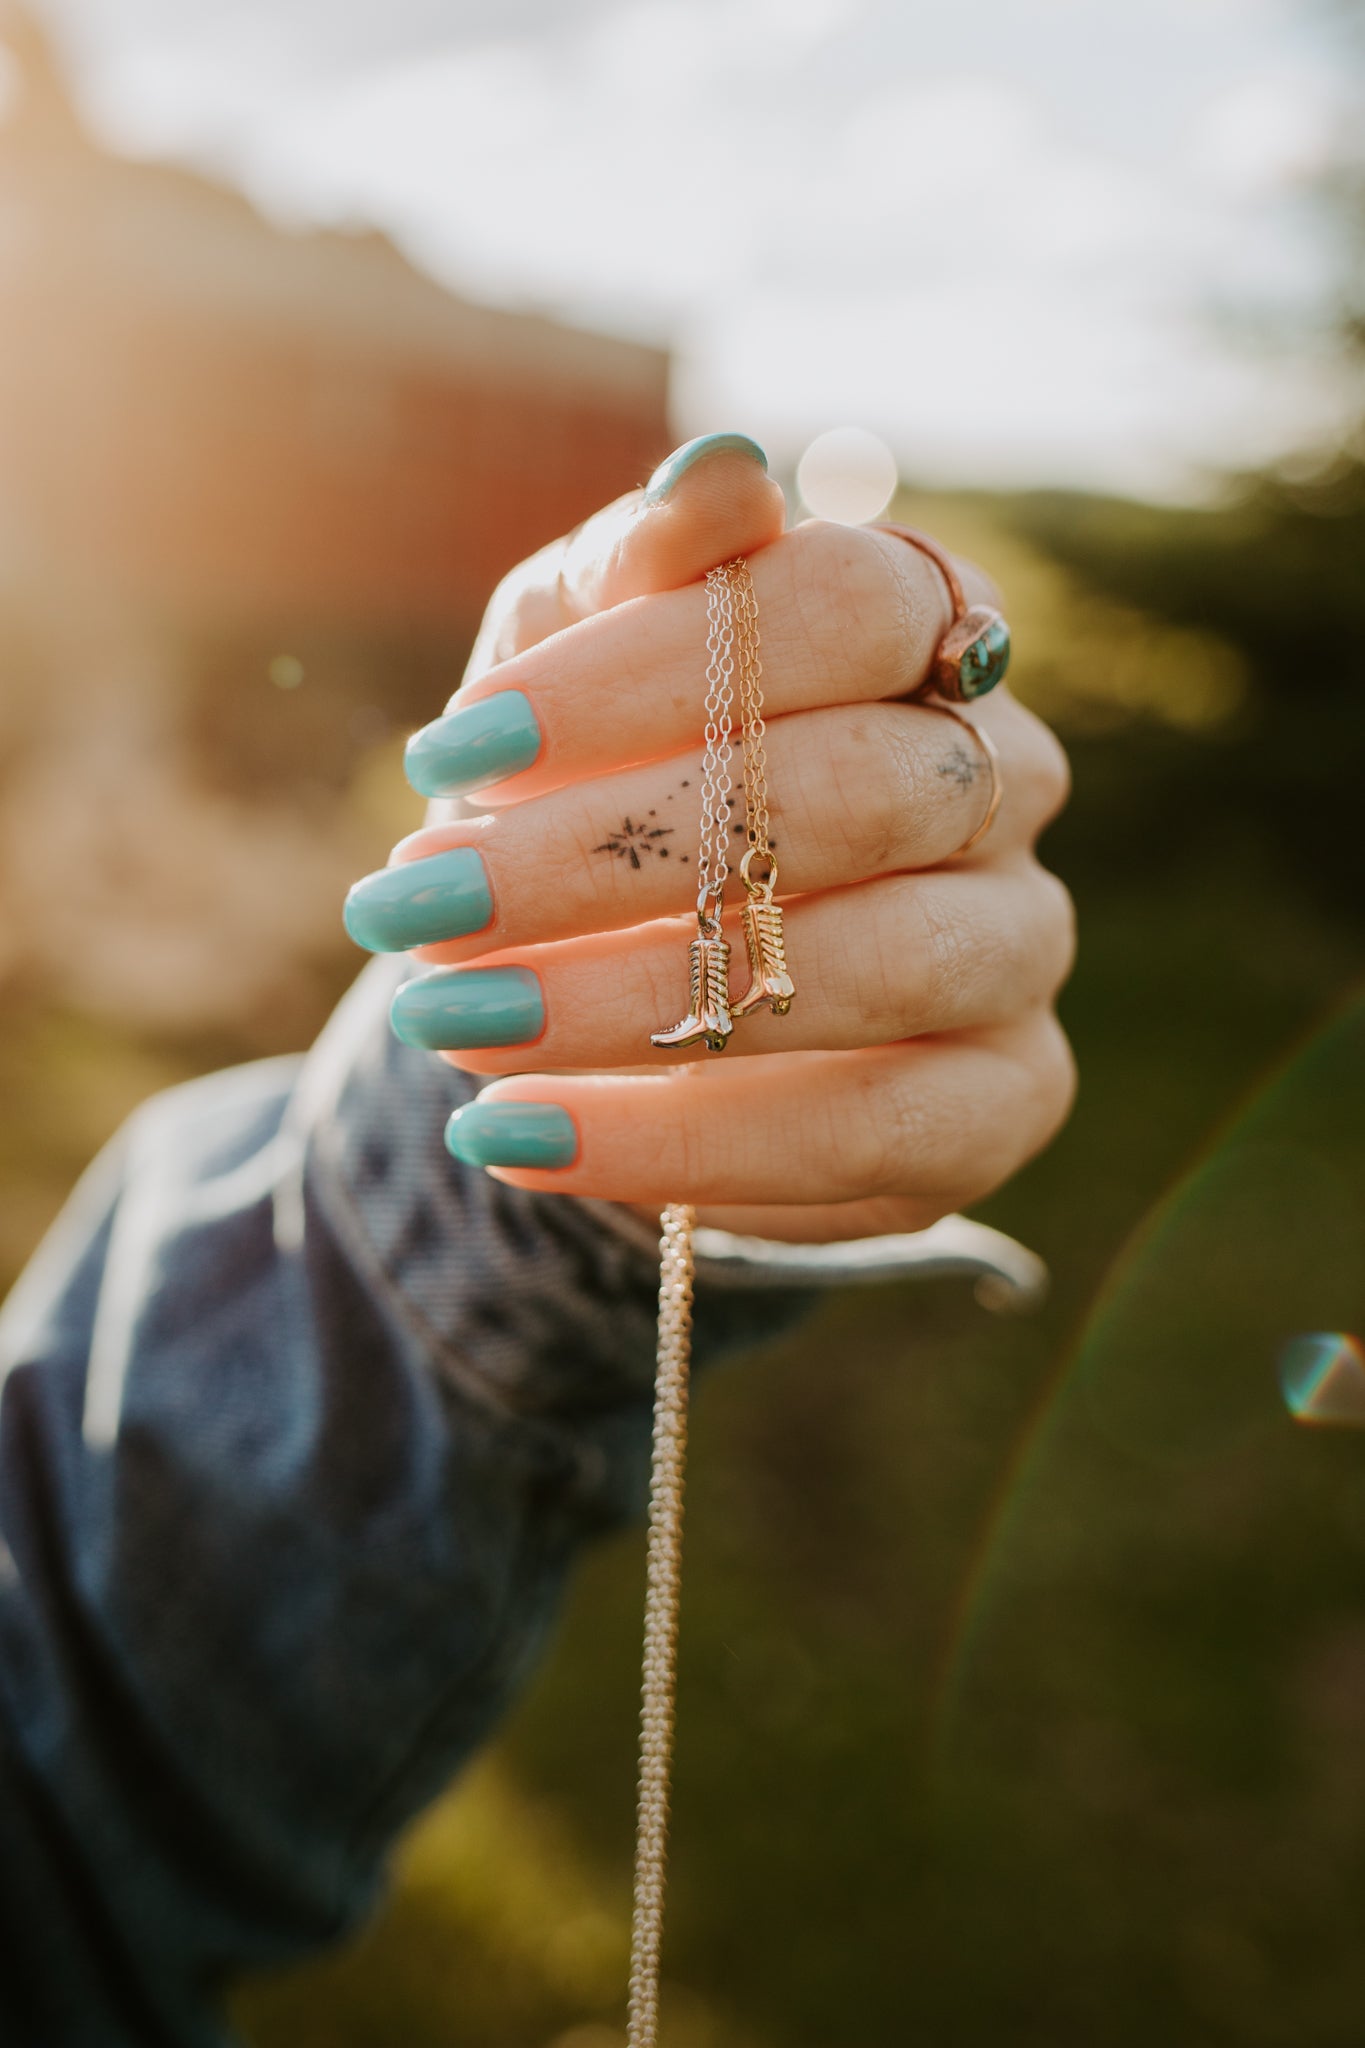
x=1022, y=241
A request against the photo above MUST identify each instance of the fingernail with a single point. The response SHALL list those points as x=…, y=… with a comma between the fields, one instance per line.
x=473, y=746
x=682, y=459
x=416, y=902
x=455, y=1010
x=513, y=1134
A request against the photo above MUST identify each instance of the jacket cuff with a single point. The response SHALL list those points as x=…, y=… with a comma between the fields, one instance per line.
x=1007, y=1276
x=529, y=1301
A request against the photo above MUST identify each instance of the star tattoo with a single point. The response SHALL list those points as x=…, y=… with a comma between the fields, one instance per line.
x=634, y=838
x=958, y=767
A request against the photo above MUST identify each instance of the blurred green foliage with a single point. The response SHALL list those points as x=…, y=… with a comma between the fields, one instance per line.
x=1023, y=1661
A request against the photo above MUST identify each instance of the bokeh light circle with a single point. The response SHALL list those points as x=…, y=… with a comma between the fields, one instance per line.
x=847, y=475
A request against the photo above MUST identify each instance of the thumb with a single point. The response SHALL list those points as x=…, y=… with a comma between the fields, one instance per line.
x=708, y=501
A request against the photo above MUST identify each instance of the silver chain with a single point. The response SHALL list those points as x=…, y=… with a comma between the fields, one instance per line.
x=731, y=612
x=713, y=857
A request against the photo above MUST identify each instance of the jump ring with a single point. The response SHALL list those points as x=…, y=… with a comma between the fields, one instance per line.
x=769, y=882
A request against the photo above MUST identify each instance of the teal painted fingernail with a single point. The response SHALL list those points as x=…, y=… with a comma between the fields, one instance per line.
x=443, y=896
x=455, y=1010
x=682, y=459
x=473, y=746
x=513, y=1134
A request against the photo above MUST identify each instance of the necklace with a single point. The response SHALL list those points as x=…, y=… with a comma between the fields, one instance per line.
x=708, y=1021
x=663, y=1582
x=732, y=647
x=769, y=980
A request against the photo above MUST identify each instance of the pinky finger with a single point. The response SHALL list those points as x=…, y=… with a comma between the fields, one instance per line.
x=938, y=1121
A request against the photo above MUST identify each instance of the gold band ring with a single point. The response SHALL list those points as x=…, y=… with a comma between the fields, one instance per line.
x=969, y=660
x=992, y=756
x=974, y=653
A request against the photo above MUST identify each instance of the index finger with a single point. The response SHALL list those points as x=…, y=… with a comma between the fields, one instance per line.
x=846, y=615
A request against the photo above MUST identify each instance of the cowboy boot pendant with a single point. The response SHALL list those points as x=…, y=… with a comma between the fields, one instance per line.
x=770, y=981
x=708, y=1020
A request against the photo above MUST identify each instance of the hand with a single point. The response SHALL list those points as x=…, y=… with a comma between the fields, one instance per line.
x=921, y=1063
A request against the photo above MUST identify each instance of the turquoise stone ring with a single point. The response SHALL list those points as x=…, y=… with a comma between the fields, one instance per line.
x=974, y=653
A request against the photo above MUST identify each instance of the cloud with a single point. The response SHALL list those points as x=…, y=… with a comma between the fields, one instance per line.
x=1267, y=134
x=993, y=239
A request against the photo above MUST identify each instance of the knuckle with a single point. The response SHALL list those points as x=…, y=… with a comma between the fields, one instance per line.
x=864, y=1142
x=518, y=613
x=1049, y=1070
x=950, y=951
x=510, y=590
x=1038, y=1104
x=1044, y=771
x=1058, y=950
x=916, y=610
x=1033, y=931
x=1069, y=1080
x=853, y=603
x=969, y=951
x=547, y=865
x=789, y=1142
x=901, y=1127
x=516, y=596
x=924, y=955
x=692, y=1163
x=658, y=967
x=863, y=761
x=881, y=965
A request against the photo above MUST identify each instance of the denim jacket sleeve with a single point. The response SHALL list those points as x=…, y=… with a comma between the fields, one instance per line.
x=301, y=1426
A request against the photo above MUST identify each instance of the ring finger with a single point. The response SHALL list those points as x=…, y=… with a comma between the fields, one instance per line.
x=873, y=789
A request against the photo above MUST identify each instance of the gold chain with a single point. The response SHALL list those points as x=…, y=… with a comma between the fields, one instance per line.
x=749, y=672
x=708, y=1021
x=714, y=848
x=733, y=662
x=659, y=1686
x=770, y=982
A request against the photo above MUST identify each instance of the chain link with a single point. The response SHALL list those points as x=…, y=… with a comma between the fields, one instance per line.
x=659, y=1684
x=749, y=668
x=732, y=648
x=713, y=864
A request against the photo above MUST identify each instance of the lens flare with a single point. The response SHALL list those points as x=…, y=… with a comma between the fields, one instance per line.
x=1322, y=1378
x=1174, y=1365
